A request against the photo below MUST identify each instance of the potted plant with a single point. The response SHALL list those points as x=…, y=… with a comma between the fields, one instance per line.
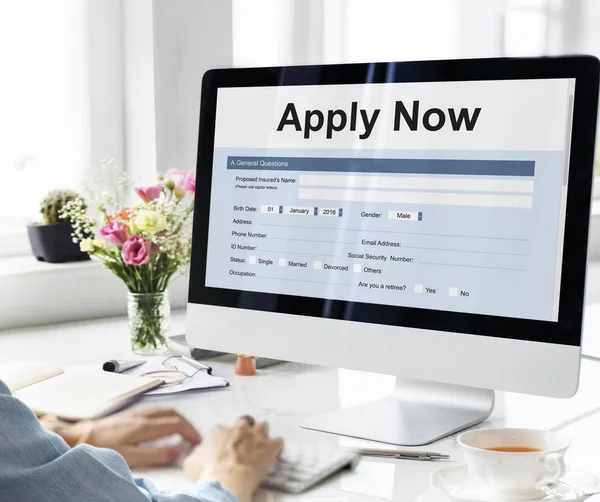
x=52, y=240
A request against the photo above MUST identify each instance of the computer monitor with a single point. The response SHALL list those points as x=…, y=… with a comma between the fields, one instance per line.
x=424, y=219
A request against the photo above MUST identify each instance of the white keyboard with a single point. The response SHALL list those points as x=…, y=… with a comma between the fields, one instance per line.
x=300, y=467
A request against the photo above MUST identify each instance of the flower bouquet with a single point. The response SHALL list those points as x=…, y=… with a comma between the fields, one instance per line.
x=146, y=245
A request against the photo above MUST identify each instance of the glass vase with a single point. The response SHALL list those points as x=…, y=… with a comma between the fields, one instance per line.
x=149, y=322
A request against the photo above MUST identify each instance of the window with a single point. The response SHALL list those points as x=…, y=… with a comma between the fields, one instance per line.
x=388, y=30
x=50, y=75
x=61, y=102
x=271, y=32
x=261, y=34
x=525, y=28
x=43, y=124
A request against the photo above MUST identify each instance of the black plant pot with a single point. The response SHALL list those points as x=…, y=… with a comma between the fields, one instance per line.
x=54, y=243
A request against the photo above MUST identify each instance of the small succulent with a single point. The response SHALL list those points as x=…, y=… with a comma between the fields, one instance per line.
x=54, y=203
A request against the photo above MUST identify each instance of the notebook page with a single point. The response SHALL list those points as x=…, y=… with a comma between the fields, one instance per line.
x=83, y=392
x=20, y=375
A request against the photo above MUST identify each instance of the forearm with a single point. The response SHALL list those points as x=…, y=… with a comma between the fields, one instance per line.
x=239, y=480
x=37, y=466
x=211, y=491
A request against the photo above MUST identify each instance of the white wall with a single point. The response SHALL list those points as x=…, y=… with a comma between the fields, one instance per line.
x=190, y=37
x=481, y=21
x=138, y=89
x=105, y=81
x=167, y=47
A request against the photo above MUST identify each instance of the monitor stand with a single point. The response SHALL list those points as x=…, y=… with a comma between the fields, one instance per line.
x=416, y=413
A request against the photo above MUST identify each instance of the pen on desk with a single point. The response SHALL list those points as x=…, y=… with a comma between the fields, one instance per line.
x=404, y=454
x=117, y=366
x=197, y=364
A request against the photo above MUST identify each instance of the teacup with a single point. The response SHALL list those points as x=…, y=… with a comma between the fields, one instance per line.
x=528, y=460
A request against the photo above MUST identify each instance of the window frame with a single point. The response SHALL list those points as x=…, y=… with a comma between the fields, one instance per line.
x=103, y=116
x=14, y=243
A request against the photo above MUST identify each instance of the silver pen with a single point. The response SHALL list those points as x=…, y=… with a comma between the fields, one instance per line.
x=118, y=366
x=197, y=364
x=404, y=454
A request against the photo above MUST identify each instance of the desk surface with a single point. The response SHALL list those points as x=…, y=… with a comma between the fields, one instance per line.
x=285, y=394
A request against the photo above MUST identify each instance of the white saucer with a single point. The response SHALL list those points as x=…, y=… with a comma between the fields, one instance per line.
x=456, y=482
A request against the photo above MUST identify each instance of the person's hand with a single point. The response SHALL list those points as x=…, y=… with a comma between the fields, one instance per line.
x=238, y=457
x=125, y=431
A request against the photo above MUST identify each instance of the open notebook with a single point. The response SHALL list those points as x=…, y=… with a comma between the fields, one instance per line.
x=75, y=393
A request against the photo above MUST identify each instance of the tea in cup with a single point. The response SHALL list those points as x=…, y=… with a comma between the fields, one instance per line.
x=515, y=463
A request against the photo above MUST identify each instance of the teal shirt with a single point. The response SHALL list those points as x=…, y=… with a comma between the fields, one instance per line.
x=38, y=466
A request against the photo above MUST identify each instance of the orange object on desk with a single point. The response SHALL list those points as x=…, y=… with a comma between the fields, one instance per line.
x=245, y=366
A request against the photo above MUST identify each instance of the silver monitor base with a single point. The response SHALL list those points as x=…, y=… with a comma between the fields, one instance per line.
x=416, y=413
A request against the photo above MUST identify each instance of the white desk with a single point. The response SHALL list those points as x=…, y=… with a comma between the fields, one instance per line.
x=286, y=393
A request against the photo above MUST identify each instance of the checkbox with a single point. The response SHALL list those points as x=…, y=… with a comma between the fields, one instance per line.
x=317, y=265
x=252, y=260
x=282, y=262
x=418, y=288
x=356, y=268
x=452, y=291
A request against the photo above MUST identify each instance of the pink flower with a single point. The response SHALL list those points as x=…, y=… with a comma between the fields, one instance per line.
x=136, y=251
x=149, y=193
x=114, y=232
x=176, y=177
x=189, y=182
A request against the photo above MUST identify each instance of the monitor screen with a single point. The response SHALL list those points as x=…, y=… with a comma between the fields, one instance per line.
x=446, y=196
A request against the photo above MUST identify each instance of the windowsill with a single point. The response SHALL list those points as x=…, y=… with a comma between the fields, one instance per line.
x=28, y=264
x=14, y=243
x=35, y=293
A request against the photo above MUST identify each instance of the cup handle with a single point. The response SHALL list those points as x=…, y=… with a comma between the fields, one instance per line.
x=555, y=467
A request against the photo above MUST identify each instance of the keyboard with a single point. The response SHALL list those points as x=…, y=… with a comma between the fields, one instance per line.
x=301, y=467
